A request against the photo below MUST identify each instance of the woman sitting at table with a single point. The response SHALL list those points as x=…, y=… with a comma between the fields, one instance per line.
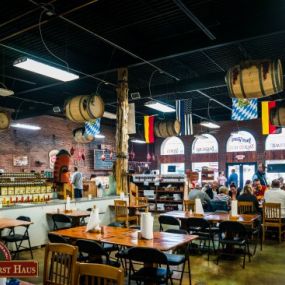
x=247, y=196
x=223, y=196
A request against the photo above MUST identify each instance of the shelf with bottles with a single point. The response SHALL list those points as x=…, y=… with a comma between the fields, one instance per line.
x=7, y=201
x=157, y=179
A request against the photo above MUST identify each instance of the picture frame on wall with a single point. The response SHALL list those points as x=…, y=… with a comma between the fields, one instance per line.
x=20, y=160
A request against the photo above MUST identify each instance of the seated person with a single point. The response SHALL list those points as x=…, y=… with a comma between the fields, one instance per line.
x=258, y=189
x=276, y=195
x=223, y=195
x=213, y=190
x=247, y=196
x=199, y=194
x=234, y=191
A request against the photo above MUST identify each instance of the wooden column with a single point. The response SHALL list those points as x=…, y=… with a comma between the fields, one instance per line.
x=122, y=136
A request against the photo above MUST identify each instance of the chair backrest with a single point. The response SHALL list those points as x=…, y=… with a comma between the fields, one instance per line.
x=189, y=205
x=219, y=206
x=24, y=230
x=245, y=207
x=56, y=238
x=121, y=208
x=133, y=192
x=271, y=213
x=59, y=264
x=167, y=220
x=141, y=201
x=232, y=230
x=115, y=224
x=198, y=223
x=24, y=218
x=175, y=231
x=147, y=255
x=94, y=250
x=61, y=218
x=91, y=274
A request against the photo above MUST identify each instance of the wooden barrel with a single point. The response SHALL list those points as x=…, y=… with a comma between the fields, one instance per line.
x=255, y=79
x=156, y=129
x=277, y=115
x=84, y=108
x=80, y=136
x=167, y=128
x=4, y=120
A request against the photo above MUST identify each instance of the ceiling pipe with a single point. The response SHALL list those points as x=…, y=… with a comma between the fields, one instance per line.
x=194, y=19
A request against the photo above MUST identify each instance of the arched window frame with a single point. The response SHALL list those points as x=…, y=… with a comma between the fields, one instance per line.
x=170, y=140
x=241, y=147
x=202, y=141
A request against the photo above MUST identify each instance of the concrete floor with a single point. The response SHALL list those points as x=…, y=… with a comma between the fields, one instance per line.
x=266, y=268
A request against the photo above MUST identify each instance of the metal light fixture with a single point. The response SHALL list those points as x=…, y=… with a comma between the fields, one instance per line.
x=44, y=69
x=99, y=136
x=26, y=126
x=210, y=125
x=139, y=141
x=109, y=115
x=159, y=106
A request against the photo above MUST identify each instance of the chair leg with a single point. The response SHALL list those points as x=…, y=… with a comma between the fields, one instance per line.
x=31, y=251
x=181, y=277
x=189, y=270
x=263, y=233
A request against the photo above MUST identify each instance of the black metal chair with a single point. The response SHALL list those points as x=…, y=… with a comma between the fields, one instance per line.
x=202, y=228
x=167, y=220
x=93, y=252
x=61, y=221
x=19, y=238
x=180, y=256
x=146, y=274
x=233, y=234
x=56, y=238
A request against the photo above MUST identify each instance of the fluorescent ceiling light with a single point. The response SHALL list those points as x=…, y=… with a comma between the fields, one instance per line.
x=44, y=69
x=210, y=125
x=203, y=137
x=6, y=92
x=25, y=126
x=110, y=115
x=158, y=106
x=99, y=136
x=138, y=141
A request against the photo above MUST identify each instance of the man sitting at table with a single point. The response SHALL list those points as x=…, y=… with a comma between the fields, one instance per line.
x=258, y=189
x=213, y=190
x=276, y=195
x=196, y=193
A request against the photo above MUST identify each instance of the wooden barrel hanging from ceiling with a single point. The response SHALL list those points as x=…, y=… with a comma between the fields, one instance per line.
x=255, y=79
x=277, y=115
x=167, y=128
x=4, y=120
x=80, y=136
x=84, y=108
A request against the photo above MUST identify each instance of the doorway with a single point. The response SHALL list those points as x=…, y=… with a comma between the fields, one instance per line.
x=244, y=170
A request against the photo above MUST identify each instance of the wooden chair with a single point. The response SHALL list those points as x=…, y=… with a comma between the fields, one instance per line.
x=59, y=264
x=133, y=193
x=122, y=213
x=272, y=219
x=245, y=207
x=189, y=205
x=91, y=274
x=142, y=201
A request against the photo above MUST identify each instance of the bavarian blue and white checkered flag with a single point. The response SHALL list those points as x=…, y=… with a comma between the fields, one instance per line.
x=93, y=127
x=244, y=109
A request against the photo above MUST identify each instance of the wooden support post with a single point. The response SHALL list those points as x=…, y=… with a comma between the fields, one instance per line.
x=122, y=136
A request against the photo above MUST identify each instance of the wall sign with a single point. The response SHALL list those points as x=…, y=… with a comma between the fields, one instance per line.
x=275, y=141
x=105, y=164
x=172, y=146
x=240, y=142
x=205, y=143
x=20, y=160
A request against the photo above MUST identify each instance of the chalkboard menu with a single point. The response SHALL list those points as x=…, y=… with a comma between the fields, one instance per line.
x=106, y=164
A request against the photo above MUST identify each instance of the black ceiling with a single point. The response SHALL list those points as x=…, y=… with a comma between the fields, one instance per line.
x=156, y=31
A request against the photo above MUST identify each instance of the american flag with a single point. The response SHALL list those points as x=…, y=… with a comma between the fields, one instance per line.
x=184, y=115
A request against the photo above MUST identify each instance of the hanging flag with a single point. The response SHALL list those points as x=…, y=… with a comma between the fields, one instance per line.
x=149, y=129
x=184, y=116
x=93, y=127
x=244, y=109
x=267, y=127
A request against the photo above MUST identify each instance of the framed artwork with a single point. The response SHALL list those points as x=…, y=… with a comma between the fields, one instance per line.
x=20, y=160
x=52, y=157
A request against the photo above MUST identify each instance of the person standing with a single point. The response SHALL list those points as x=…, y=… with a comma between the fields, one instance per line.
x=222, y=180
x=77, y=182
x=233, y=178
x=260, y=175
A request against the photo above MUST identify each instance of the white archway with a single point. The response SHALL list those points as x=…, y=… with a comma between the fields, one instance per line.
x=205, y=143
x=172, y=146
x=241, y=141
x=275, y=141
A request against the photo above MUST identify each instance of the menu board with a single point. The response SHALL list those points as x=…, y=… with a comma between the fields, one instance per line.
x=107, y=163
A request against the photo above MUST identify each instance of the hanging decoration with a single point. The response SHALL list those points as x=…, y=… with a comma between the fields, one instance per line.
x=93, y=127
x=244, y=109
x=184, y=116
x=149, y=129
x=103, y=156
x=153, y=157
x=267, y=127
x=72, y=150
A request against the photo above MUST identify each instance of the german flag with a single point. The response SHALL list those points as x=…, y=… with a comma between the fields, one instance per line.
x=267, y=127
x=149, y=129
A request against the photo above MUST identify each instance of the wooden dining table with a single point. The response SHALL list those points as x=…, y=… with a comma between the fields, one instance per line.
x=129, y=237
x=75, y=215
x=12, y=223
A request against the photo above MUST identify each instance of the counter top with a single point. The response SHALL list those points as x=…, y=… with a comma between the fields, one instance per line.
x=57, y=202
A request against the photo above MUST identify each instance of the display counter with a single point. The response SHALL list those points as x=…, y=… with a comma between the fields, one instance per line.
x=42, y=225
